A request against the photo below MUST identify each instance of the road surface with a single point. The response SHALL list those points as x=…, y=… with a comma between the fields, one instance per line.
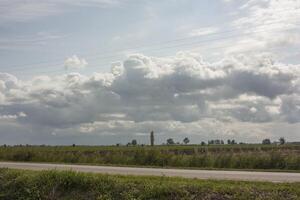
x=199, y=174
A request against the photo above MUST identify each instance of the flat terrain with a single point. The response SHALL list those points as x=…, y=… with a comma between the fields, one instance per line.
x=199, y=174
x=233, y=157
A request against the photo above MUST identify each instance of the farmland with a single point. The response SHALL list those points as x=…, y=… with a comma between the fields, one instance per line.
x=19, y=184
x=244, y=157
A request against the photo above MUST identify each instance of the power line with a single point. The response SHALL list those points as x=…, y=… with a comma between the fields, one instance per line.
x=214, y=48
x=166, y=42
x=190, y=44
x=151, y=45
x=246, y=51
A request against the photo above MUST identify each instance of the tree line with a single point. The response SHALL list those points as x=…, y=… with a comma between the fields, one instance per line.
x=186, y=141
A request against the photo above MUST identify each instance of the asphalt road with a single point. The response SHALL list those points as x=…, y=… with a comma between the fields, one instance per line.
x=199, y=174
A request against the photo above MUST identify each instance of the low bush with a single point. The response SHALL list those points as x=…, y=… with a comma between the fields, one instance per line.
x=55, y=185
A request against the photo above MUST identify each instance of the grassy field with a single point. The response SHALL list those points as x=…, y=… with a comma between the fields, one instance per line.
x=19, y=184
x=255, y=157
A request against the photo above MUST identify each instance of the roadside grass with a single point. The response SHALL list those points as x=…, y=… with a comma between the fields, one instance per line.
x=21, y=184
x=227, y=157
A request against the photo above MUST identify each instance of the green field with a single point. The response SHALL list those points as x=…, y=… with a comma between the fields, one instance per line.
x=251, y=157
x=18, y=184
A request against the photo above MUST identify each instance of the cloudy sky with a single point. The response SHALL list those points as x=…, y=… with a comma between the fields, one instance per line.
x=108, y=71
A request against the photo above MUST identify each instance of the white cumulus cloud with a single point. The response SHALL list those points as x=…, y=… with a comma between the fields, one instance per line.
x=75, y=62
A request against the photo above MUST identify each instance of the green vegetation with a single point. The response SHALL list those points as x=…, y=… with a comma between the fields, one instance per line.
x=265, y=157
x=19, y=184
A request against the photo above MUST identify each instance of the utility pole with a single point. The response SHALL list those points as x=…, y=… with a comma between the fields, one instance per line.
x=152, y=138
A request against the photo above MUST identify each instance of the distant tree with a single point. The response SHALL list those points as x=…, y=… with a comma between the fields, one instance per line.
x=228, y=141
x=118, y=144
x=217, y=142
x=266, y=141
x=203, y=143
x=186, y=140
x=4, y=145
x=222, y=142
x=134, y=142
x=233, y=142
x=282, y=140
x=73, y=145
x=170, y=141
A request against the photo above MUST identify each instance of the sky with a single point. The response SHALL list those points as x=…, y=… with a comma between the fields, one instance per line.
x=101, y=72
